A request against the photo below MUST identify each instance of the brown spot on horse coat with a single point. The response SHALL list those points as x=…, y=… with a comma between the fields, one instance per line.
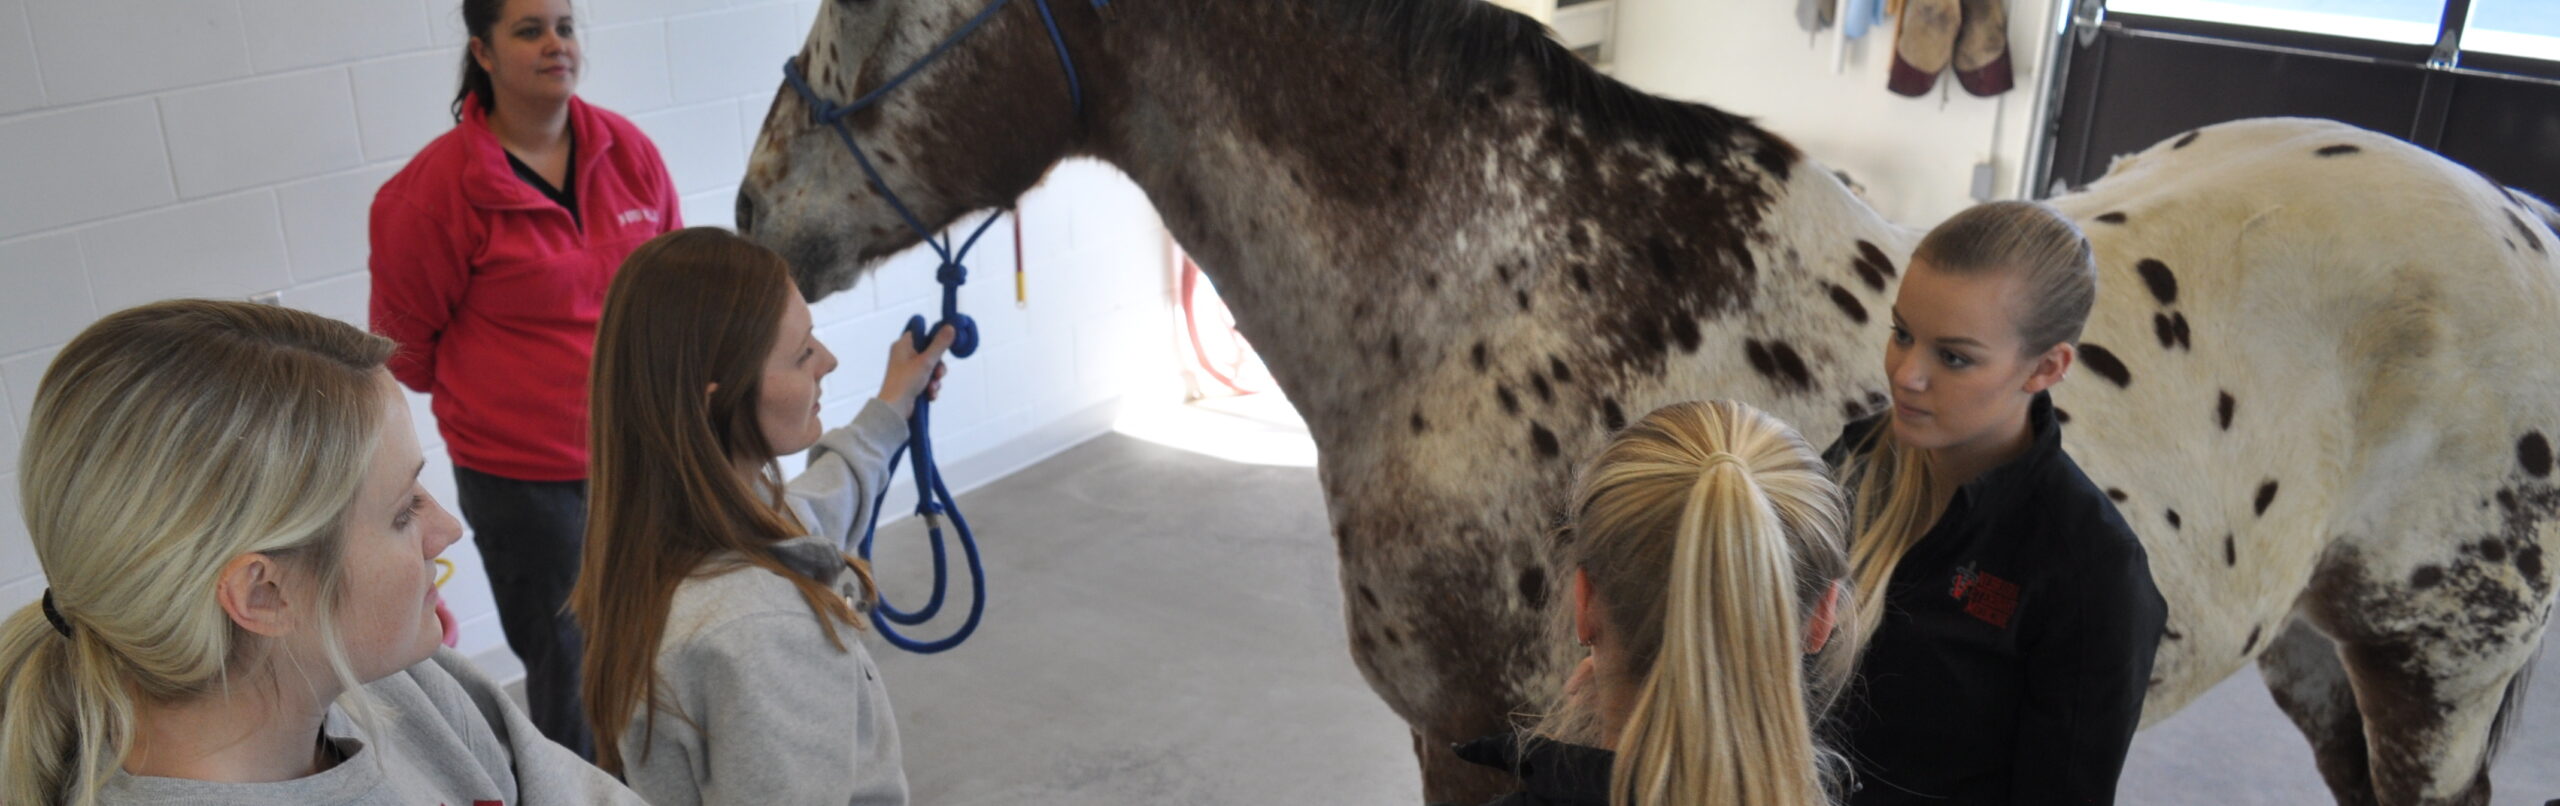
x=1510, y=404
x=1611, y=416
x=2222, y=410
x=1477, y=354
x=1556, y=367
x=2178, y=326
x=2230, y=550
x=2534, y=452
x=2184, y=141
x=2104, y=362
x=1779, y=362
x=1545, y=440
x=2117, y=495
x=1419, y=425
x=2427, y=576
x=2167, y=332
x=2266, y=496
x=1684, y=330
x=2252, y=645
x=1533, y=587
x=1872, y=265
x=2116, y=217
x=2157, y=277
x=2339, y=150
x=1538, y=383
x=2174, y=521
x=1848, y=303
x=2524, y=229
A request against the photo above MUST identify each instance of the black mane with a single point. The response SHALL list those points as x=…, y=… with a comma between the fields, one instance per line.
x=1468, y=46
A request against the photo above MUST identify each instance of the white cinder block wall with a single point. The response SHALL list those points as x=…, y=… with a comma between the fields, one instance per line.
x=230, y=148
x=1914, y=155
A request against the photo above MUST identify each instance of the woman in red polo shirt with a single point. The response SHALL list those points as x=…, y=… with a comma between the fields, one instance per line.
x=491, y=254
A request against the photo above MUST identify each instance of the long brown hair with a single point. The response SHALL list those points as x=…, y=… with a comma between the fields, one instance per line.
x=1711, y=533
x=1895, y=486
x=690, y=309
x=166, y=440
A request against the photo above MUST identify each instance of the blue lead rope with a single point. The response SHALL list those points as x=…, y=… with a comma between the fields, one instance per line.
x=933, y=498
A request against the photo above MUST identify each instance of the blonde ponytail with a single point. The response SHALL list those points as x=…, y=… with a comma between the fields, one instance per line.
x=166, y=440
x=1710, y=532
x=1896, y=492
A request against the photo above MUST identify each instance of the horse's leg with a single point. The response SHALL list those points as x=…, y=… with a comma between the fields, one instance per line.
x=2431, y=641
x=1448, y=626
x=2309, y=683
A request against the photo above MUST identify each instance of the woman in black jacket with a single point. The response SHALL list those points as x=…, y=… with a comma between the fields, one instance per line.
x=1709, y=553
x=2008, y=657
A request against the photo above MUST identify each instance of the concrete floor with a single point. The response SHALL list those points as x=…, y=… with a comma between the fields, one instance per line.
x=1164, y=626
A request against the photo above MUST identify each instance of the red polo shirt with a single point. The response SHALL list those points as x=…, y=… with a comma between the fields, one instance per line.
x=493, y=290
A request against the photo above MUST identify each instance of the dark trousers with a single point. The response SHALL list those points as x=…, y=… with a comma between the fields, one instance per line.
x=530, y=534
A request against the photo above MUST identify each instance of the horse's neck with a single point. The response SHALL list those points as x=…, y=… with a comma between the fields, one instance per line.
x=1368, y=229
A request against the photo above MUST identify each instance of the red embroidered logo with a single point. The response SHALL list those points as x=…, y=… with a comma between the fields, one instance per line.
x=1985, y=597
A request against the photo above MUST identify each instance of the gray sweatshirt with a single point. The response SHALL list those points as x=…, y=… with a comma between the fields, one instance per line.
x=453, y=737
x=767, y=712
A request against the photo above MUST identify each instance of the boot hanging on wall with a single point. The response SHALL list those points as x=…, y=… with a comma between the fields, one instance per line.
x=1982, y=48
x=1922, y=44
x=1972, y=34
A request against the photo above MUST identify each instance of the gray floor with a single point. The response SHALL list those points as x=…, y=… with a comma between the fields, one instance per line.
x=1164, y=627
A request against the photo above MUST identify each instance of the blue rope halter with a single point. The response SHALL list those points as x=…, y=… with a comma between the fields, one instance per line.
x=933, y=499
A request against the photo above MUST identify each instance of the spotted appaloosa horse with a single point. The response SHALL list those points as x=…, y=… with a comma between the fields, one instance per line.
x=2319, y=381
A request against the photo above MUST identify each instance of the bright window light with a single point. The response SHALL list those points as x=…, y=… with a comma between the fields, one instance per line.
x=2405, y=21
x=2529, y=28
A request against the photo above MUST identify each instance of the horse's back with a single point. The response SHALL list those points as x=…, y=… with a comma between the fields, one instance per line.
x=2311, y=341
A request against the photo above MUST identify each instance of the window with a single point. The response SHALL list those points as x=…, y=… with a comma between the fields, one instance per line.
x=2411, y=22
x=2528, y=28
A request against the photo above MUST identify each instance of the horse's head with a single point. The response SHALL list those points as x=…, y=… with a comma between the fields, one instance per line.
x=971, y=130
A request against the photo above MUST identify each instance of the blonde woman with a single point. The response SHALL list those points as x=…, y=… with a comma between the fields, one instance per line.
x=1709, y=555
x=2008, y=660
x=224, y=497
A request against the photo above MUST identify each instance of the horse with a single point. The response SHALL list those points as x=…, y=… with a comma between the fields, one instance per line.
x=2317, y=380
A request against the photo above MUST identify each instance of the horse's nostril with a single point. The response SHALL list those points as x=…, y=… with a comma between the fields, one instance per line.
x=746, y=212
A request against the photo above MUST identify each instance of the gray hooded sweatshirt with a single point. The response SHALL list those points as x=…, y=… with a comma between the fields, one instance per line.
x=765, y=710
x=453, y=738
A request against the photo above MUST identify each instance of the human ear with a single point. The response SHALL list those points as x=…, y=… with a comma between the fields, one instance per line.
x=251, y=590
x=2051, y=367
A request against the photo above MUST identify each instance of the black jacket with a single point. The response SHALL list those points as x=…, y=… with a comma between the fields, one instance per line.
x=1551, y=773
x=2016, y=645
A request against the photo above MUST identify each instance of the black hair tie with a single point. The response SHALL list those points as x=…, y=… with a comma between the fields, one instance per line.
x=59, y=624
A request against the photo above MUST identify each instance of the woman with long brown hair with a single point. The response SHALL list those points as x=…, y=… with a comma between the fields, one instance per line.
x=1710, y=560
x=2016, y=619
x=717, y=594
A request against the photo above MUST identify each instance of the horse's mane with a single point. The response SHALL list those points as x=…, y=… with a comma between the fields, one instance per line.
x=1473, y=45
